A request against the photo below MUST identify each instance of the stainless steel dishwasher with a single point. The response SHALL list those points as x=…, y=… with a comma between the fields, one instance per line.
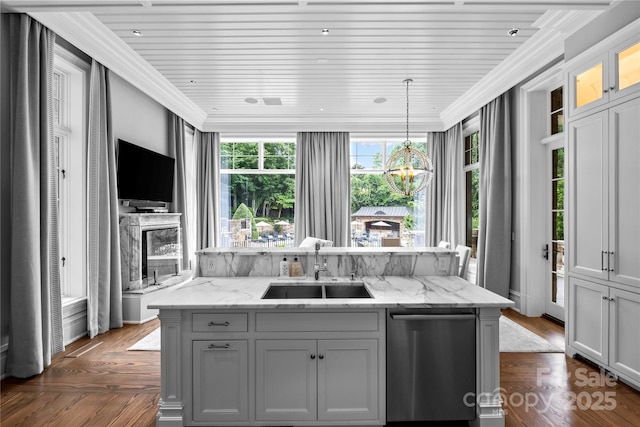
x=431, y=365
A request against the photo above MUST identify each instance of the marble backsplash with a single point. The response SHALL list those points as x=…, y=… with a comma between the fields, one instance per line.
x=341, y=262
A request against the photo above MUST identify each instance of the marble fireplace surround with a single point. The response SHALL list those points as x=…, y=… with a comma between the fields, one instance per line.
x=341, y=261
x=132, y=226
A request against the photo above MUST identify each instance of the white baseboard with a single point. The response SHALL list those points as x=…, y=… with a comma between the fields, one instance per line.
x=74, y=320
x=515, y=297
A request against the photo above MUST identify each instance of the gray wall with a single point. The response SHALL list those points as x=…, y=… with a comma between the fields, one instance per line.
x=137, y=118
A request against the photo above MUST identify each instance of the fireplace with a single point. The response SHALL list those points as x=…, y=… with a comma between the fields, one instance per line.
x=161, y=252
x=150, y=248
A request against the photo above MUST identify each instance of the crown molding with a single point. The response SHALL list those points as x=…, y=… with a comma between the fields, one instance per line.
x=326, y=123
x=541, y=49
x=87, y=33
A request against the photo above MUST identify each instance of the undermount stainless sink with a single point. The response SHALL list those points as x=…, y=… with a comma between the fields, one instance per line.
x=293, y=291
x=306, y=290
x=346, y=291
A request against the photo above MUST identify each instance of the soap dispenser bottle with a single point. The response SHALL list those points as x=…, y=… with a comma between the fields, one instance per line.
x=284, y=267
x=296, y=268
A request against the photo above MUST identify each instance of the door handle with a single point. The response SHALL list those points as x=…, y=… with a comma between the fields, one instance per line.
x=602, y=267
x=545, y=252
x=609, y=263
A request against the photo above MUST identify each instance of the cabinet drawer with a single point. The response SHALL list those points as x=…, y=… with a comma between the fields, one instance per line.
x=219, y=322
x=316, y=322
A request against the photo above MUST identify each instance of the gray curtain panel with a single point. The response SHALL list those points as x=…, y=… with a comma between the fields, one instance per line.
x=323, y=187
x=104, y=306
x=176, y=137
x=446, y=196
x=35, y=329
x=494, y=234
x=208, y=180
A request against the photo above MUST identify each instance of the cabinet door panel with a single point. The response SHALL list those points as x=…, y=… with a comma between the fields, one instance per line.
x=624, y=193
x=588, y=85
x=589, y=318
x=348, y=380
x=626, y=68
x=625, y=335
x=587, y=195
x=220, y=381
x=286, y=382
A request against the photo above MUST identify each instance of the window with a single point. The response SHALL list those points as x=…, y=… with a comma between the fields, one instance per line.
x=377, y=212
x=257, y=184
x=472, y=189
x=192, y=185
x=70, y=114
x=557, y=115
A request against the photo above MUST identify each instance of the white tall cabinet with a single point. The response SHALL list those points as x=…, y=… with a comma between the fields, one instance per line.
x=603, y=205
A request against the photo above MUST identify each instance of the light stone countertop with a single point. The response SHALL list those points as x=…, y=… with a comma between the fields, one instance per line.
x=330, y=250
x=208, y=293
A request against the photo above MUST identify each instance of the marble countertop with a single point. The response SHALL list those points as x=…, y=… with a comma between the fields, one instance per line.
x=332, y=250
x=387, y=292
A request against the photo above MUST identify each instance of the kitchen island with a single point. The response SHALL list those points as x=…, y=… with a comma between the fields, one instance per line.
x=230, y=357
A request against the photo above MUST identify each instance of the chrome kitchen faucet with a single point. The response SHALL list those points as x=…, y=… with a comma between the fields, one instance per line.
x=317, y=268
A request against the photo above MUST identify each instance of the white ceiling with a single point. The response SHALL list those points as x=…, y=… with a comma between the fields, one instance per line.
x=202, y=59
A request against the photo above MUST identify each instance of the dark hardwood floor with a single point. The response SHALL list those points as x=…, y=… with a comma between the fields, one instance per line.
x=106, y=385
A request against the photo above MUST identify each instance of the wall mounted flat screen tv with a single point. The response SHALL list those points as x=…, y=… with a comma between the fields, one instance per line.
x=144, y=174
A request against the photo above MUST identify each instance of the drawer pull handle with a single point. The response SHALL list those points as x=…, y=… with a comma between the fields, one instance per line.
x=213, y=346
x=218, y=324
x=609, y=263
x=602, y=267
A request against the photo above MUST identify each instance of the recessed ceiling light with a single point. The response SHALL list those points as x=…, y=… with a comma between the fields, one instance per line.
x=321, y=109
x=380, y=100
x=251, y=100
x=325, y=31
x=513, y=32
x=137, y=33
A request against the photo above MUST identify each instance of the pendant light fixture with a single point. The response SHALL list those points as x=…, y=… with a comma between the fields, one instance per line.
x=408, y=170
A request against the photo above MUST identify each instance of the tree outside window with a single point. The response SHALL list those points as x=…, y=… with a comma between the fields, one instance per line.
x=370, y=190
x=472, y=198
x=258, y=187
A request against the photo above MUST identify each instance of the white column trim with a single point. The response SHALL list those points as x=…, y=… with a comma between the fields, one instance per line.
x=488, y=392
x=171, y=412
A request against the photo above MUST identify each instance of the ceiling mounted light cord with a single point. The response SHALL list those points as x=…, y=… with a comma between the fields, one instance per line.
x=408, y=170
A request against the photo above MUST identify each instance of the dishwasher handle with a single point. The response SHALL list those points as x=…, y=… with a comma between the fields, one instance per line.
x=432, y=316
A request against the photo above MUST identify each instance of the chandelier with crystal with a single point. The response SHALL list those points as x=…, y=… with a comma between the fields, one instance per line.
x=408, y=170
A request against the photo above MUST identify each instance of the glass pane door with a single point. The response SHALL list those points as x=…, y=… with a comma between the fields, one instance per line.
x=555, y=289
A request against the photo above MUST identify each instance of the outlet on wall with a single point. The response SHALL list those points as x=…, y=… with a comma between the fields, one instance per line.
x=443, y=264
x=211, y=263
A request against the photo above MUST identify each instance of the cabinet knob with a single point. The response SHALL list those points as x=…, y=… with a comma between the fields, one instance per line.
x=321, y=356
x=313, y=356
x=612, y=299
x=605, y=298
